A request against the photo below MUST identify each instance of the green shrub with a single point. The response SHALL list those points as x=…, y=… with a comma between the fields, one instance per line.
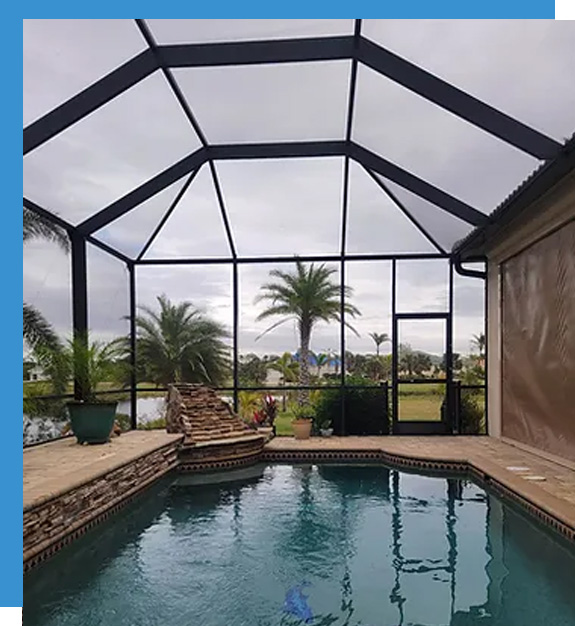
x=365, y=409
x=471, y=415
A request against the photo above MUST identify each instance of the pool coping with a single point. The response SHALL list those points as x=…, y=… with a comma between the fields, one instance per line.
x=551, y=510
x=544, y=506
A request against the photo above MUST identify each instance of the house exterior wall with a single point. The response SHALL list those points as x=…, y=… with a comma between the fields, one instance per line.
x=531, y=327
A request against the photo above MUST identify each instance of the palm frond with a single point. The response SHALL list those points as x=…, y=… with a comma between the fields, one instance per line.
x=36, y=226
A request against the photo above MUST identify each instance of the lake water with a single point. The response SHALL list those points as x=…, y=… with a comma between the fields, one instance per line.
x=45, y=428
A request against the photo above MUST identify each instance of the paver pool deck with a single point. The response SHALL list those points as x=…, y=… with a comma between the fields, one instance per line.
x=58, y=467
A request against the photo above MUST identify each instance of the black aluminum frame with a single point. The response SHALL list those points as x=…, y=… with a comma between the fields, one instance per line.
x=355, y=48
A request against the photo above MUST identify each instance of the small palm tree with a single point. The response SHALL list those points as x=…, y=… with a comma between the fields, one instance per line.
x=479, y=342
x=321, y=360
x=307, y=296
x=179, y=343
x=378, y=339
x=37, y=331
x=288, y=369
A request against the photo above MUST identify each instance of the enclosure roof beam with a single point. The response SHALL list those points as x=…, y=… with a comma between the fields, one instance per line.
x=418, y=186
x=457, y=101
x=167, y=214
x=90, y=99
x=143, y=192
x=282, y=151
x=300, y=50
x=71, y=229
x=399, y=204
x=184, y=104
x=316, y=258
x=52, y=217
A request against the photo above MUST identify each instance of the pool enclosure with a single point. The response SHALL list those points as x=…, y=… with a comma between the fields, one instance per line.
x=201, y=103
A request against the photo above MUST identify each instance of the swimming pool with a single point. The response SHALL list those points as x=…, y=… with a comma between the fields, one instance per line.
x=331, y=544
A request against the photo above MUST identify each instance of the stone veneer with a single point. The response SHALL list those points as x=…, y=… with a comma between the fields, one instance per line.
x=55, y=521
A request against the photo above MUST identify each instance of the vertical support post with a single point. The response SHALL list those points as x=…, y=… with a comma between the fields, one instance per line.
x=235, y=332
x=485, y=360
x=394, y=350
x=133, y=361
x=449, y=355
x=79, y=299
x=342, y=343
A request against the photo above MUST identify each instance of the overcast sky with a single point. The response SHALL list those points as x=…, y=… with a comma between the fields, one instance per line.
x=525, y=68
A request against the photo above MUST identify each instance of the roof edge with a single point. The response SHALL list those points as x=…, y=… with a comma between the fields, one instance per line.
x=538, y=183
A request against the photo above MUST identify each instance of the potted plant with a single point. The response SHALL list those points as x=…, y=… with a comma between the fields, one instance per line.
x=325, y=428
x=270, y=409
x=302, y=423
x=91, y=419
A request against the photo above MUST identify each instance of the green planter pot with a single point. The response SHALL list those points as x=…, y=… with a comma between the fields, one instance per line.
x=92, y=423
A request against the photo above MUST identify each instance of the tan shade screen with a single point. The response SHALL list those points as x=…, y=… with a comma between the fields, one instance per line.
x=538, y=344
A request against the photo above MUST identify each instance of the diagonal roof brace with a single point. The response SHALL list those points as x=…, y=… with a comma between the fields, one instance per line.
x=457, y=101
x=281, y=150
x=143, y=192
x=299, y=50
x=418, y=186
x=90, y=99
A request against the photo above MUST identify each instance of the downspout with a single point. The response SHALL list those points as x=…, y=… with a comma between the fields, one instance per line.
x=462, y=271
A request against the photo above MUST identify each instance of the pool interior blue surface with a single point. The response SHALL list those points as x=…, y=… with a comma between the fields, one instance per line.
x=324, y=545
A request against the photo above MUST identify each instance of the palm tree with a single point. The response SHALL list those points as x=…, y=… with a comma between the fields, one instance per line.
x=36, y=226
x=288, y=369
x=309, y=296
x=479, y=342
x=321, y=359
x=181, y=344
x=37, y=331
x=378, y=339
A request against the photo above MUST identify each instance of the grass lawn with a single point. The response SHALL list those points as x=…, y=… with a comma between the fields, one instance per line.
x=283, y=424
x=420, y=407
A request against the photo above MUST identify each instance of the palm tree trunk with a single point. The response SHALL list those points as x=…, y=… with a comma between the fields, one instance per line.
x=377, y=349
x=303, y=394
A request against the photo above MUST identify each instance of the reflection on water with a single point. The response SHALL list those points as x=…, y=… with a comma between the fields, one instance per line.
x=377, y=547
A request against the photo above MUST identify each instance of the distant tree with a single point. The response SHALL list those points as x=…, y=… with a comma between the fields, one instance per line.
x=378, y=339
x=412, y=361
x=478, y=341
x=253, y=370
x=321, y=360
x=28, y=367
x=378, y=367
x=456, y=362
x=288, y=369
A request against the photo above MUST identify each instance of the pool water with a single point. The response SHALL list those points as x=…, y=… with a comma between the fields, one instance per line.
x=345, y=545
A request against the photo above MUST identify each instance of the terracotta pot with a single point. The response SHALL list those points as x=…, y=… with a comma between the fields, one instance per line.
x=301, y=428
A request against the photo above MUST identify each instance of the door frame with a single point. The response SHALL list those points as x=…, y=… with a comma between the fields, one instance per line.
x=420, y=427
